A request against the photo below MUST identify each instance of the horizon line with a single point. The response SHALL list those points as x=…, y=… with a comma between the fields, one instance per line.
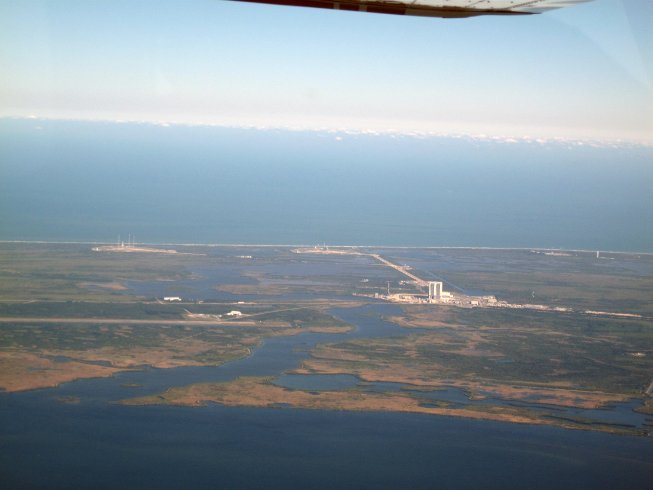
x=355, y=131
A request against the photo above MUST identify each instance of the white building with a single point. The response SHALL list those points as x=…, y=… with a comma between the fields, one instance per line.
x=172, y=298
x=435, y=290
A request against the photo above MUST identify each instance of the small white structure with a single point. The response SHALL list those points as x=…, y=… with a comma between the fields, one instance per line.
x=234, y=313
x=172, y=298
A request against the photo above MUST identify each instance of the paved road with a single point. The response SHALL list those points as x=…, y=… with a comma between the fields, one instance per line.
x=399, y=268
x=143, y=321
x=113, y=321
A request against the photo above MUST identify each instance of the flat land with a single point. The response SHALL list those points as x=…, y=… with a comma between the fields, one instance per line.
x=261, y=392
x=41, y=354
x=68, y=313
x=565, y=360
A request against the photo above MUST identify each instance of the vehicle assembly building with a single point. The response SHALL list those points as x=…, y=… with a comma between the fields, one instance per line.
x=435, y=291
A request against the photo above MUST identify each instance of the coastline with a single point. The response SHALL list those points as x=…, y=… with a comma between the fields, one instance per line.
x=348, y=246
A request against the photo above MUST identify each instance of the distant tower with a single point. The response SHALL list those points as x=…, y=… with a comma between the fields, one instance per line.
x=388, y=288
x=597, y=254
x=435, y=290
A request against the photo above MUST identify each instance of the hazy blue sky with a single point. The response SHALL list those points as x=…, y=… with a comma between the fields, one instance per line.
x=582, y=71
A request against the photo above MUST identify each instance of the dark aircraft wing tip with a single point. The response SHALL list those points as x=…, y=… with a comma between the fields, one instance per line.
x=431, y=8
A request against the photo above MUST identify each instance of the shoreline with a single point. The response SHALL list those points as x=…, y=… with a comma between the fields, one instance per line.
x=291, y=245
x=259, y=392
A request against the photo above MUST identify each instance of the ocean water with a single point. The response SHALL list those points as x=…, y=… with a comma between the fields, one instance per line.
x=81, y=181
x=49, y=445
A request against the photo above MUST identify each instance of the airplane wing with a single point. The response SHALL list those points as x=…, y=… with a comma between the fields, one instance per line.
x=432, y=8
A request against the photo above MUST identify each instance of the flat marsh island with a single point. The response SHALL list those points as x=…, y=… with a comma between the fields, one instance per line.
x=69, y=312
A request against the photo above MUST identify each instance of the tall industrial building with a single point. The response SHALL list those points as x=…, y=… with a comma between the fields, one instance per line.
x=435, y=290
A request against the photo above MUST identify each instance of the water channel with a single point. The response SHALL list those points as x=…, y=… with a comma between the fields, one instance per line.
x=45, y=443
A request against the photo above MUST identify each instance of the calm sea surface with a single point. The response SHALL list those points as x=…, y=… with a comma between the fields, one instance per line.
x=50, y=445
x=68, y=181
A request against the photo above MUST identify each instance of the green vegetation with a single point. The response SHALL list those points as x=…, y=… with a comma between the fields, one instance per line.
x=515, y=347
x=67, y=312
x=35, y=271
x=614, y=282
x=75, y=309
x=78, y=338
